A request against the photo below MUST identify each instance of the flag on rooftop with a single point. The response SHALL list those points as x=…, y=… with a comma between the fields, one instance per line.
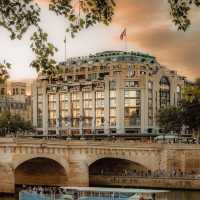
x=123, y=34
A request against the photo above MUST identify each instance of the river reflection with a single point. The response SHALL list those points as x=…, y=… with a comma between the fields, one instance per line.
x=172, y=195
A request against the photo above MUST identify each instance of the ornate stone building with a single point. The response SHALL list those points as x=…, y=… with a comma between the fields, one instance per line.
x=111, y=92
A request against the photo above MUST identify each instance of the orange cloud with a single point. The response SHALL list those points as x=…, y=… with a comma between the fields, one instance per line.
x=150, y=28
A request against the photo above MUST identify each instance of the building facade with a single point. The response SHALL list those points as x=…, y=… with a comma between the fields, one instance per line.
x=111, y=92
x=16, y=98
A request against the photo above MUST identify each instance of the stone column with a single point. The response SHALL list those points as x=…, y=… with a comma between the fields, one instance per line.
x=69, y=125
x=172, y=91
x=45, y=108
x=78, y=174
x=7, y=179
x=93, y=111
x=119, y=105
x=34, y=100
x=81, y=114
x=106, y=107
x=58, y=122
x=144, y=105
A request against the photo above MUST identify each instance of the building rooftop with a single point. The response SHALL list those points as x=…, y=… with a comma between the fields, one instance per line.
x=113, y=56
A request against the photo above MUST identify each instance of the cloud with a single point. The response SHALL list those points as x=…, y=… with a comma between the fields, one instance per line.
x=150, y=28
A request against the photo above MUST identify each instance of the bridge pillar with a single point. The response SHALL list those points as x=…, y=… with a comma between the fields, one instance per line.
x=78, y=174
x=7, y=179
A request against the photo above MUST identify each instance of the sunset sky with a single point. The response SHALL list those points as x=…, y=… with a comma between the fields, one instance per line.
x=149, y=30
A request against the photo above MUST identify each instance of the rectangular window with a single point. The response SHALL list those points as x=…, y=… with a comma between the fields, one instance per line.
x=99, y=97
x=113, y=110
x=75, y=109
x=63, y=109
x=132, y=108
x=52, y=110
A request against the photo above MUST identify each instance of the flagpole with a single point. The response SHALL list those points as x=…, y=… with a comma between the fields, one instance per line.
x=65, y=41
x=126, y=47
x=123, y=37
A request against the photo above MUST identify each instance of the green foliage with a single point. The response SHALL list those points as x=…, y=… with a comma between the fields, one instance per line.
x=44, y=51
x=191, y=113
x=191, y=105
x=170, y=119
x=192, y=91
x=179, y=10
x=4, y=67
x=13, y=123
x=18, y=15
x=89, y=12
x=187, y=113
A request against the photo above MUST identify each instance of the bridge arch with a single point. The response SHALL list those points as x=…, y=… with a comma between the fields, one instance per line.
x=40, y=170
x=102, y=169
x=148, y=161
x=19, y=159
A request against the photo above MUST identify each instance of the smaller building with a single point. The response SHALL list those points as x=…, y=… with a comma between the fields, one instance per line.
x=16, y=98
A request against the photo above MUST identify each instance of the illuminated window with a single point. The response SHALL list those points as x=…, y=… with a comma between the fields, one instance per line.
x=52, y=110
x=164, y=92
x=99, y=96
x=75, y=109
x=87, y=109
x=63, y=109
x=131, y=108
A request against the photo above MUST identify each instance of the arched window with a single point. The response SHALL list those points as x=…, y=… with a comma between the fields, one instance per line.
x=164, y=92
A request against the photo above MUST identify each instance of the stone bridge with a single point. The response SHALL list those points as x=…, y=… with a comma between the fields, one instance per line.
x=71, y=163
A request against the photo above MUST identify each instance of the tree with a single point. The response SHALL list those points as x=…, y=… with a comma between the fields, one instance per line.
x=170, y=119
x=179, y=10
x=191, y=107
x=44, y=52
x=11, y=124
x=17, y=16
x=4, y=67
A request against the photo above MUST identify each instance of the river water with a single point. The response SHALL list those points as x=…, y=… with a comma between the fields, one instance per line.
x=171, y=195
